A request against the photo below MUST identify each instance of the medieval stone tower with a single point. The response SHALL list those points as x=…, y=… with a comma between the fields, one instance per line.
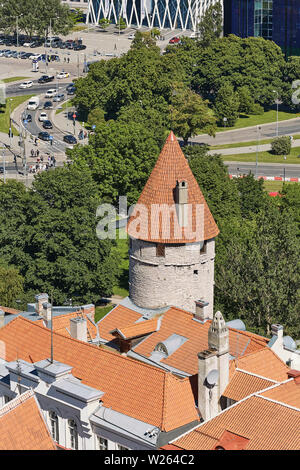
x=172, y=231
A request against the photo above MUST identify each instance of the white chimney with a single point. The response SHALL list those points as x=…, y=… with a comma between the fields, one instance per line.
x=277, y=330
x=2, y=316
x=202, y=310
x=181, y=199
x=39, y=300
x=78, y=328
x=46, y=312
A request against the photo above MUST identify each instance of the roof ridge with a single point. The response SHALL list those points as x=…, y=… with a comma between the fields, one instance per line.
x=249, y=333
x=67, y=338
x=18, y=400
x=256, y=375
x=277, y=402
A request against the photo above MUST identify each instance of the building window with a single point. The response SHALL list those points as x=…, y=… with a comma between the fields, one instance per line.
x=54, y=425
x=73, y=434
x=6, y=399
x=102, y=443
x=119, y=447
x=196, y=271
x=160, y=249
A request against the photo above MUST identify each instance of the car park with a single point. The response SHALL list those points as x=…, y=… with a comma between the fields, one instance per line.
x=48, y=105
x=62, y=75
x=47, y=124
x=70, y=139
x=44, y=136
x=59, y=97
x=27, y=84
x=43, y=117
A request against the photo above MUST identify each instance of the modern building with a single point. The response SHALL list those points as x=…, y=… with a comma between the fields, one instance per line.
x=277, y=20
x=163, y=14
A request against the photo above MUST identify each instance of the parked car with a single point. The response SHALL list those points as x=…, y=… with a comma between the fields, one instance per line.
x=62, y=45
x=70, y=139
x=1, y=53
x=44, y=136
x=27, y=44
x=43, y=117
x=131, y=36
x=8, y=54
x=35, y=56
x=46, y=79
x=47, y=124
x=71, y=85
x=15, y=54
x=23, y=54
x=174, y=40
x=48, y=105
x=79, y=47
x=59, y=97
x=62, y=75
x=1, y=169
x=27, y=84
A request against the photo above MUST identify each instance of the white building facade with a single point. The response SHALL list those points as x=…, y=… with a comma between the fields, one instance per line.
x=163, y=14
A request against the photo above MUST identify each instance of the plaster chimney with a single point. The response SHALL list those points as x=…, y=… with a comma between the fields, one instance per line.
x=202, y=310
x=46, y=312
x=207, y=393
x=78, y=328
x=181, y=199
x=39, y=300
x=218, y=338
x=2, y=316
x=277, y=330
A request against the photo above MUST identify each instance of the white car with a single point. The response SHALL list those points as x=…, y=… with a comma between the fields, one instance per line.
x=27, y=44
x=62, y=75
x=43, y=117
x=50, y=93
x=131, y=36
x=34, y=56
x=28, y=84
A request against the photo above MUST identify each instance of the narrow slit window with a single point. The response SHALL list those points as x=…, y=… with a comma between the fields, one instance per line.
x=160, y=250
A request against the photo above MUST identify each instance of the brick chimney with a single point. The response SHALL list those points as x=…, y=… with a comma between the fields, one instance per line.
x=78, y=328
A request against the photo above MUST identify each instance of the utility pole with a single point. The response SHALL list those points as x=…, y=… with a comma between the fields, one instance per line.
x=277, y=99
x=4, y=177
x=9, y=100
x=257, y=147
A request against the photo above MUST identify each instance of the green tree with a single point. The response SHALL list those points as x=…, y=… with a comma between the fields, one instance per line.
x=253, y=198
x=227, y=105
x=210, y=26
x=96, y=116
x=291, y=200
x=190, y=115
x=121, y=23
x=281, y=145
x=11, y=286
x=104, y=23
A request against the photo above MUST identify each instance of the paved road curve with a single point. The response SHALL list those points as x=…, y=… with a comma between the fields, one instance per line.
x=264, y=169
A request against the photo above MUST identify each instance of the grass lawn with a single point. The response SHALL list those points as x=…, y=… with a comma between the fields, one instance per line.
x=100, y=312
x=255, y=120
x=64, y=106
x=245, y=144
x=273, y=186
x=13, y=79
x=79, y=28
x=265, y=157
x=122, y=250
x=4, y=112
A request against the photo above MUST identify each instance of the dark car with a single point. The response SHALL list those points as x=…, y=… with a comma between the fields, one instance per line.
x=79, y=47
x=70, y=139
x=71, y=85
x=27, y=117
x=47, y=125
x=45, y=79
x=70, y=45
x=62, y=45
x=1, y=169
x=48, y=105
x=44, y=136
x=71, y=91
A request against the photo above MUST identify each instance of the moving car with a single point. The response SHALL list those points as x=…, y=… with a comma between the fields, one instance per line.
x=33, y=103
x=43, y=117
x=50, y=93
x=71, y=91
x=45, y=79
x=59, y=97
x=44, y=136
x=70, y=139
x=47, y=124
x=27, y=84
x=62, y=75
x=48, y=105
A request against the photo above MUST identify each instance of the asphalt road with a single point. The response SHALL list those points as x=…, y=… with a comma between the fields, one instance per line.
x=37, y=88
x=263, y=169
x=248, y=134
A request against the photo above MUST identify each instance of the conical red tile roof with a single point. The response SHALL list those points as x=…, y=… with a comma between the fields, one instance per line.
x=171, y=167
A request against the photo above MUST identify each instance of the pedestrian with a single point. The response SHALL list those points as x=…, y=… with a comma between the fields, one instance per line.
x=85, y=134
x=35, y=141
x=42, y=158
x=32, y=153
x=54, y=161
x=64, y=59
x=37, y=153
x=68, y=60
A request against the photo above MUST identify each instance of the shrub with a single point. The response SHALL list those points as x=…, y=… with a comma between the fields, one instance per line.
x=281, y=146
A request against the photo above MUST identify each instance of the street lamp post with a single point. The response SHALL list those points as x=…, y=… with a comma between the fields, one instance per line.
x=258, y=128
x=277, y=99
x=224, y=120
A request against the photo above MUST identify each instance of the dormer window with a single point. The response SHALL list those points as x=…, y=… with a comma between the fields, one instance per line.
x=73, y=434
x=54, y=425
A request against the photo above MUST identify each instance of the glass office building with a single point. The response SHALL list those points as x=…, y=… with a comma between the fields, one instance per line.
x=278, y=20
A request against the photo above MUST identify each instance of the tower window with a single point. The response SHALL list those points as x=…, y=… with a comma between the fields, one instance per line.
x=160, y=249
x=195, y=271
